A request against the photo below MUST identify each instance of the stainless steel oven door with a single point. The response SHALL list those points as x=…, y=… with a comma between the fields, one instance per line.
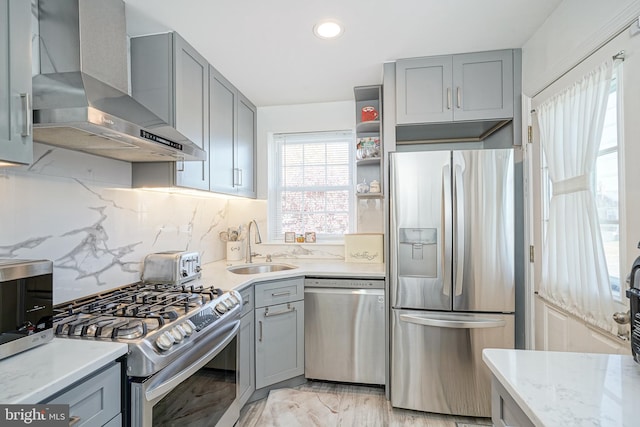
x=198, y=389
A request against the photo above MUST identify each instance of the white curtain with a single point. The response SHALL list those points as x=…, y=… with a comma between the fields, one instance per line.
x=574, y=270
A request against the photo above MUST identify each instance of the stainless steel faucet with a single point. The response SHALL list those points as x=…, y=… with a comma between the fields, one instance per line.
x=257, y=241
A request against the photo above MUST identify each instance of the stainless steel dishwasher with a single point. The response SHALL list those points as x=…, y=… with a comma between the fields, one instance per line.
x=344, y=330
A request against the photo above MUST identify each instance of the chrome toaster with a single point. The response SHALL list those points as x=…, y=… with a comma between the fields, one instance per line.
x=172, y=267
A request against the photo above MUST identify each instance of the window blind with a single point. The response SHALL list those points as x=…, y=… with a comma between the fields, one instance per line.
x=312, y=184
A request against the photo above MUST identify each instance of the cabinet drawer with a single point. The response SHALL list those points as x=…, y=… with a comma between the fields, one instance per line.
x=96, y=400
x=279, y=291
x=247, y=300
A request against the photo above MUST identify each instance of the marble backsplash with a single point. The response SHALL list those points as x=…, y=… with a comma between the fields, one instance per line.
x=79, y=211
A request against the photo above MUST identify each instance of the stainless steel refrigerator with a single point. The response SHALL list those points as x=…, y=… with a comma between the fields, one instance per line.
x=452, y=276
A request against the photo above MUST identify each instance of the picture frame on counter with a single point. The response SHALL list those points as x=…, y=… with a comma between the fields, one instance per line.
x=289, y=237
x=310, y=237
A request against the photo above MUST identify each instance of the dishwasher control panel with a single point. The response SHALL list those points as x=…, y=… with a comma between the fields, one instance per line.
x=327, y=282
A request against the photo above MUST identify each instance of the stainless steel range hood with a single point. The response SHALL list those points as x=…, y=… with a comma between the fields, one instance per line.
x=80, y=99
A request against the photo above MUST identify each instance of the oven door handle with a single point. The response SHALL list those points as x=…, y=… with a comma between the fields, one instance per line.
x=160, y=385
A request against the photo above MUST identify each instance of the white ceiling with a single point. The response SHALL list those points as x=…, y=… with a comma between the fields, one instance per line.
x=268, y=51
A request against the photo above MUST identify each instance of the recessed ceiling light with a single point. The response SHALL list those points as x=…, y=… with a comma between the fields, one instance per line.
x=328, y=29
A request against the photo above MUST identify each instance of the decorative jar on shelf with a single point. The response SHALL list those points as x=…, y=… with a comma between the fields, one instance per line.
x=363, y=187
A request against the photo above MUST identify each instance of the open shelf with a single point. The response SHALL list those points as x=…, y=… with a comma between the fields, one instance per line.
x=368, y=161
x=368, y=127
x=369, y=195
x=370, y=169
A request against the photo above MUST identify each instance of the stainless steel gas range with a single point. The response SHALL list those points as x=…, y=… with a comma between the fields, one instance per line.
x=182, y=363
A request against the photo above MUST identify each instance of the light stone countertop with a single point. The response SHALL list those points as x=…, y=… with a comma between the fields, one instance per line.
x=34, y=375
x=569, y=389
x=215, y=274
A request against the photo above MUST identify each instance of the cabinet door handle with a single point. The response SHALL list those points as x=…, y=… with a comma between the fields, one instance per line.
x=260, y=329
x=180, y=166
x=26, y=110
x=245, y=301
x=448, y=98
x=73, y=420
x=459, y=96
x=278, y=313
x=280, y=294
x=237, y=177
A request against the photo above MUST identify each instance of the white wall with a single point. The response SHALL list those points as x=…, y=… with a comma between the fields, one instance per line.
x=572, y=31
x=298, y=118
x=79, y=211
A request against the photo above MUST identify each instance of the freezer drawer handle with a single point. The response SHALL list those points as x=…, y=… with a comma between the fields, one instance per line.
x=277, y=313
x=459, y=324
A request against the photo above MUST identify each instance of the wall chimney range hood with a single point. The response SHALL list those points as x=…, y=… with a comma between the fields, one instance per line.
x=80, y=99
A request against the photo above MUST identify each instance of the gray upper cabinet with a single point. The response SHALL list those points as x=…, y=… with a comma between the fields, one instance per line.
x=16, y=136
x=423, y=90
x=171, y=78
x=233, y=138
x=223, y=98
x=246, y=148
x=465, y=87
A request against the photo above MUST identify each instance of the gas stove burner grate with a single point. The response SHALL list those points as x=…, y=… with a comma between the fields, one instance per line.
x=132, y=311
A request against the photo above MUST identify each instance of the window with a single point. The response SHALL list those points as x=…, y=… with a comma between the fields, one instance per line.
x=607, y=188
x=313, y=184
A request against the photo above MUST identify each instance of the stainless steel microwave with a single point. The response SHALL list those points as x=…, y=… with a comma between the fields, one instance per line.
x=26, y=305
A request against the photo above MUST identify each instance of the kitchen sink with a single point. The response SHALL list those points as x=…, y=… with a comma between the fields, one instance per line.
x=259, y=268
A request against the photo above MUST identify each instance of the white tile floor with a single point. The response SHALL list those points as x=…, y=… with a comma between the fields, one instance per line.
x=359, y=406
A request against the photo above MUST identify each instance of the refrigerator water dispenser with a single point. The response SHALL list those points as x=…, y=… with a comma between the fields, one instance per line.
x=418, y=252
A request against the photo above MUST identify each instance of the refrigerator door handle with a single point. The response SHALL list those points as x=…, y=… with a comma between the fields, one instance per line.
x=446, y=227
x=458, y=188
x=440, y=322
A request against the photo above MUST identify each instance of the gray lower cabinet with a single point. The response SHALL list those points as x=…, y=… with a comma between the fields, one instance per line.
x=16, y=136
x=279, y=323
x=171, y=78
x=247, y=376
x=95, y=400
x=464, y=87
x=504, y=410
x=232, y=145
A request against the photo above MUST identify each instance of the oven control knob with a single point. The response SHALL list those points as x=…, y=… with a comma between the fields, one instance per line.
x=184, y=273
x=178, y=333
x=227, y=303
x=188, y=327
x=221, y=308
x=165, y=341
x=233, y=300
